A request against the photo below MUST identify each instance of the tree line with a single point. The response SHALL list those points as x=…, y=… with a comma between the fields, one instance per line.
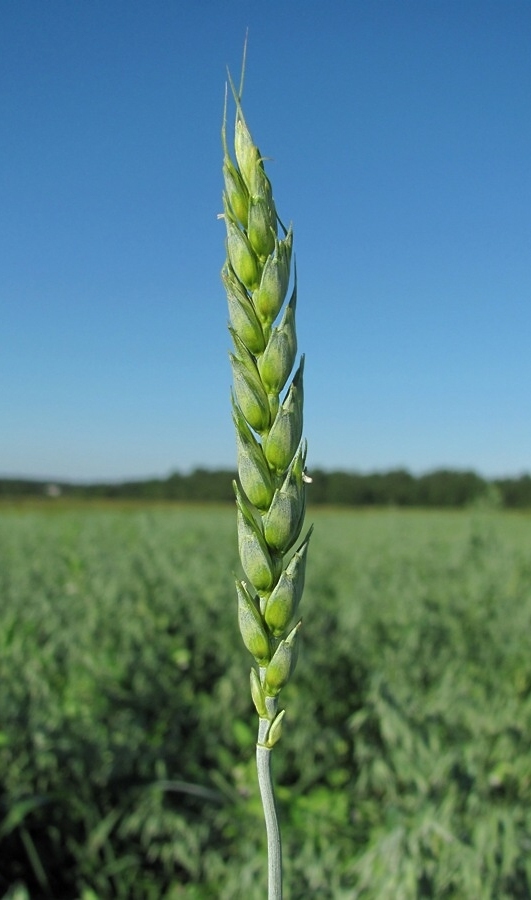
x=441, y=488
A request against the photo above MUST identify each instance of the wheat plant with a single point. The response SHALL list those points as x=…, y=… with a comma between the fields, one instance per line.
x=268, y=420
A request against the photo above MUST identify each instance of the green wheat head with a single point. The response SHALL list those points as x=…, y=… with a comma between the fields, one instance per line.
x=268, y=419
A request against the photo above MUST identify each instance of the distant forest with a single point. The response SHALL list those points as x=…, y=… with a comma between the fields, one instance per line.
x=442, y=488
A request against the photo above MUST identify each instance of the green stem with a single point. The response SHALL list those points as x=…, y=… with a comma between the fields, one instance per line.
x=265, y=783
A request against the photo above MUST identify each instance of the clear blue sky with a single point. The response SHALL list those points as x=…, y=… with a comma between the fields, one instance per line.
x=400, y=138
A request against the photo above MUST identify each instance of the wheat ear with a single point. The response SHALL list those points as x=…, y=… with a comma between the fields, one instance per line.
x=268, y=419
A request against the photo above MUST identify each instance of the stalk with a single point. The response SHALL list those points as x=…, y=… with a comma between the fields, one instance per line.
x=267, y=410
x=267, y=795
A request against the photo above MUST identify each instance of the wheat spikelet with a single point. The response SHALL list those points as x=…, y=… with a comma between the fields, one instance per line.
x=268, y=418
x=270, y=495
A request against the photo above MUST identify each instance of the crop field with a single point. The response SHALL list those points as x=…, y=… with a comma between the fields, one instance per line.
x=127, y=731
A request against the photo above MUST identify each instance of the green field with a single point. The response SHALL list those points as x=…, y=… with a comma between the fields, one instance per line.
x=127, y=731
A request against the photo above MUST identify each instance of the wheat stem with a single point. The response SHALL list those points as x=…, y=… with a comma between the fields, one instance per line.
x=268, y=417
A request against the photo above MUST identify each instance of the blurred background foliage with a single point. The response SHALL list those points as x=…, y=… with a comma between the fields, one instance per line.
x=127, y=731
x=439, y=489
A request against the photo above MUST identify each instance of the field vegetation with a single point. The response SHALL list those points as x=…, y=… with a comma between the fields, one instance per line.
x=440, y=488
x=127, y=731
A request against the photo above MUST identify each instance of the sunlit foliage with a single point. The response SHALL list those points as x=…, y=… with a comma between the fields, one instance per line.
x=126, y=753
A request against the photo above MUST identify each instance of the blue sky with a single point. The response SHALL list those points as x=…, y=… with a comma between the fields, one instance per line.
x=400, y=143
